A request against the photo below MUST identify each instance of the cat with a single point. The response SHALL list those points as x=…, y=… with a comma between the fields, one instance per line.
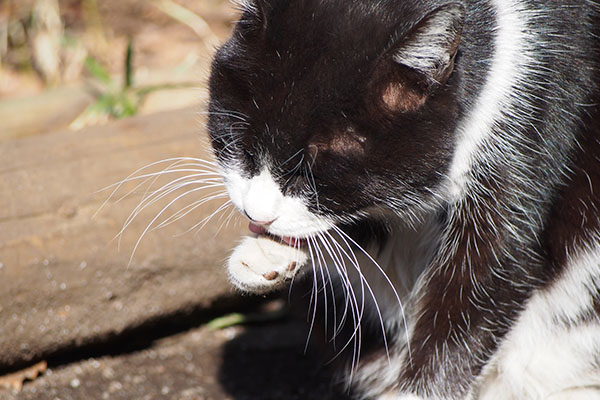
x=432, y=167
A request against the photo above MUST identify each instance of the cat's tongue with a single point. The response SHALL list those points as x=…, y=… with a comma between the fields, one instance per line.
x=258, y=229
x=262, y=231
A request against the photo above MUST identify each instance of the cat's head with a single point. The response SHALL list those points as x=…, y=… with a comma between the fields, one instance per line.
x=323, y=111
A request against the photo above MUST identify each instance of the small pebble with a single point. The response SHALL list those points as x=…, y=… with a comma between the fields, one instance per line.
x=108, y=373
x=75, y=383
x=115, y=386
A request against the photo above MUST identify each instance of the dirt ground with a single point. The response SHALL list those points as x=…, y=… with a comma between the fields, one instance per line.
x=261, y=362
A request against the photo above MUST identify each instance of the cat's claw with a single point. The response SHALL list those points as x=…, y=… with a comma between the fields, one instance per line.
x=261, y=264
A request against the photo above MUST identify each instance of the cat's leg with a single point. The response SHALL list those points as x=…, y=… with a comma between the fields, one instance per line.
x=554, y=348
x=482, y=287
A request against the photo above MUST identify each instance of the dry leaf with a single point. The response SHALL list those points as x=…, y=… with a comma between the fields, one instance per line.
x=15, y=380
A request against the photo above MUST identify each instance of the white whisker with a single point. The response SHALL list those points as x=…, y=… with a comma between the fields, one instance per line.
x=346, y=236
x=118, y=185
x=158, y=216
x=200, y=225
x=162, y=193
x=189, y=208
x=314, y=293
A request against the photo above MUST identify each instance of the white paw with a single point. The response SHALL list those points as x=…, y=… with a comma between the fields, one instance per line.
x=261, y=265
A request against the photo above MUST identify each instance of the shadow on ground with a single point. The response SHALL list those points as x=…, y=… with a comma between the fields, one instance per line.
x=269, y=362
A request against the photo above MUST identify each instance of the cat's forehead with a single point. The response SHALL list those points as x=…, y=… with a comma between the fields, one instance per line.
x=330, y=43
x=312, y=28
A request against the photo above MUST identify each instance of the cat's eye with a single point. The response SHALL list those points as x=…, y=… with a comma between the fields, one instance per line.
x=249, y=156
x=354, y=134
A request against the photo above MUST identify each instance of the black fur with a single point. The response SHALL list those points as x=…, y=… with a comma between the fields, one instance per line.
x=311, y=78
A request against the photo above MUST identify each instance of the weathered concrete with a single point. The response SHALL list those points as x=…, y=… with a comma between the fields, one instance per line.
x=264, y=362
x=63, y=284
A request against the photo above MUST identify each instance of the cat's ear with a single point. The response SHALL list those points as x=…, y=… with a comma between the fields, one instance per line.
x=258, y=10
x=422, y=60
x=432, y=44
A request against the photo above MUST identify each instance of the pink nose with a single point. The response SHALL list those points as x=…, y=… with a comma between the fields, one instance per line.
x=261, y=223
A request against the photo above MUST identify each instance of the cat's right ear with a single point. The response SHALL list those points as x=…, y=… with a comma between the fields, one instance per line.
x=420, y=61
x=256, y=12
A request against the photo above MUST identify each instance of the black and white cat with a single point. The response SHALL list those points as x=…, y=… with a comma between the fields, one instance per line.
x=434, y=166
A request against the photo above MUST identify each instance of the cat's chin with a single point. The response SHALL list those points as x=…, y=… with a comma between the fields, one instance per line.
x=264, y=264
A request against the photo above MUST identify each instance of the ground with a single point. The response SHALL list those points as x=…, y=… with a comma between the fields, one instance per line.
x=263, y=362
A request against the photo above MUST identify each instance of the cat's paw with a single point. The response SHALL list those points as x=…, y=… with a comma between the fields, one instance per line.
x=260, y=264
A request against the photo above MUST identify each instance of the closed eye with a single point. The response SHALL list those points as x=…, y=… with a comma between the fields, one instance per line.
x=249, y=158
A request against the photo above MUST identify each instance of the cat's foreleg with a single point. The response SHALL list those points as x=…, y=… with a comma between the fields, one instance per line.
x=467, y=301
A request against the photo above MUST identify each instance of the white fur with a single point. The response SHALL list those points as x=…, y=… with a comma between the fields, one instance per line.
x=261, y=198
x=509, y=64
x=544, y=356
x=260, y=265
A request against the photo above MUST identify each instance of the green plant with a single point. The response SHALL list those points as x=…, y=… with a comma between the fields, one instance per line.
x=116, y=100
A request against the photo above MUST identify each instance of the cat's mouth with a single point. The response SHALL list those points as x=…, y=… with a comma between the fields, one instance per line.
x=291, y=241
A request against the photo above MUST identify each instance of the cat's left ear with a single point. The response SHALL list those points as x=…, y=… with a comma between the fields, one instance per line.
x=421, y=60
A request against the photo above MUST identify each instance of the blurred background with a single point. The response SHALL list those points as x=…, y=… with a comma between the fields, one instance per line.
x=95, y=60
x=93, y=93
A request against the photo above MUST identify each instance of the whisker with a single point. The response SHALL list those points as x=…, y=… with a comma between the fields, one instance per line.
x=175, y=183
x=200, y=225
x=155, y=176
x=226, y=113
x=189, y=208
x=162, y=193
x=314, y=294
x=157, y=217
x=118, y=185
x=357, y=312
x=345, y=236
x=321, y=261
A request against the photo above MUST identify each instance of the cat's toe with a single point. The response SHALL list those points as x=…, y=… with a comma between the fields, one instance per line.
x=260, y=265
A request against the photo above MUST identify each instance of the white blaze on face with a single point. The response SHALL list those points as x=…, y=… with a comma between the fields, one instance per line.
x=261, y=199
x=262, y=264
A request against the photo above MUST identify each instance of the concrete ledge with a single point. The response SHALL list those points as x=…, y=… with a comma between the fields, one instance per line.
x=62, y=281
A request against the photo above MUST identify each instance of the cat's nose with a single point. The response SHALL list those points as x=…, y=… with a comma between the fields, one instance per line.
x=256, y=222
x=261, y=201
